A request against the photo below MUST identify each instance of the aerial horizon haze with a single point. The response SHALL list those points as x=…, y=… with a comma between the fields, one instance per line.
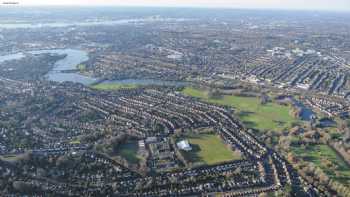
x=337, y=5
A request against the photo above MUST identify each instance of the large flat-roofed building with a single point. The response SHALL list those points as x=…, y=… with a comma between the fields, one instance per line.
x=184, y=145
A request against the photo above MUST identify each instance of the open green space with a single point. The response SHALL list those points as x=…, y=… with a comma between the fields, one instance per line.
x=270, y=116
x=208, y=149
x=113, y=86
x=129, y=151
x=327, y=159
x=74, y=142
x=14, y=157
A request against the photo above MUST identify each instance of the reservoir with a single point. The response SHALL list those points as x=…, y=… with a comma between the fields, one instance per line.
x=73, y=58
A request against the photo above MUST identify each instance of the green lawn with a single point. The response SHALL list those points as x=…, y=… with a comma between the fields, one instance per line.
x=14, y=158
x=208, y=149
x=129, y=151
x=270, y=116
x=74, y=142
x=113, y=86
x=327, y=159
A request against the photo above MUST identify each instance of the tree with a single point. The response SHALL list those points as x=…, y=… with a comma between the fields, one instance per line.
x=284, y=142
x=264, y=99
x=263, y=195
x=214, y=94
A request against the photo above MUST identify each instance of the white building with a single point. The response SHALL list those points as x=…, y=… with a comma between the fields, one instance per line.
x=184, y=145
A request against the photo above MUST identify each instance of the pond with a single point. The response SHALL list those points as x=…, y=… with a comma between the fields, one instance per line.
x=306, y=113
x=327, y=122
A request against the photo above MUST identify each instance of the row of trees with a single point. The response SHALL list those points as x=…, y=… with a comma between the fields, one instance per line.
x=305, y=136
x=318, y=178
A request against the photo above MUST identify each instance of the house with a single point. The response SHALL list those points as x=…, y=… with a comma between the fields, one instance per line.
x=151, y=140
x=141, y=144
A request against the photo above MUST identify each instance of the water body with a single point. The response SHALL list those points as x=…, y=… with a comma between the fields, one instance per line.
x=156, y=82
x=11, y=57
x=306, y=113
x=326, y=122
x=73, y=58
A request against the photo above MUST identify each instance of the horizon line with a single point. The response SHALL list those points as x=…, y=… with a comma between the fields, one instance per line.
x=179, y=6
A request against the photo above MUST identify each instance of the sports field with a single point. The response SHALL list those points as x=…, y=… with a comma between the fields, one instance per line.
x=270, y=116
x=208, y=149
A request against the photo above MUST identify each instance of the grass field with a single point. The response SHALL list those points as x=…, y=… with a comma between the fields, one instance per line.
x=74, y=142
x=129, y=151
x=320, y=155
x=13, y=158
x=208, y=149
x=113, y=86
x=270, y=116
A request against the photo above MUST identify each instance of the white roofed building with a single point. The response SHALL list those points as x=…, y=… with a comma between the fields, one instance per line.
x=184, y=145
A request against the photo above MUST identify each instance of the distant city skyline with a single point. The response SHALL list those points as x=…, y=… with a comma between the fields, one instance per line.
x=336, y=5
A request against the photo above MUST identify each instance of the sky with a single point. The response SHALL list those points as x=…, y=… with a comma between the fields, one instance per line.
x=339, y=5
